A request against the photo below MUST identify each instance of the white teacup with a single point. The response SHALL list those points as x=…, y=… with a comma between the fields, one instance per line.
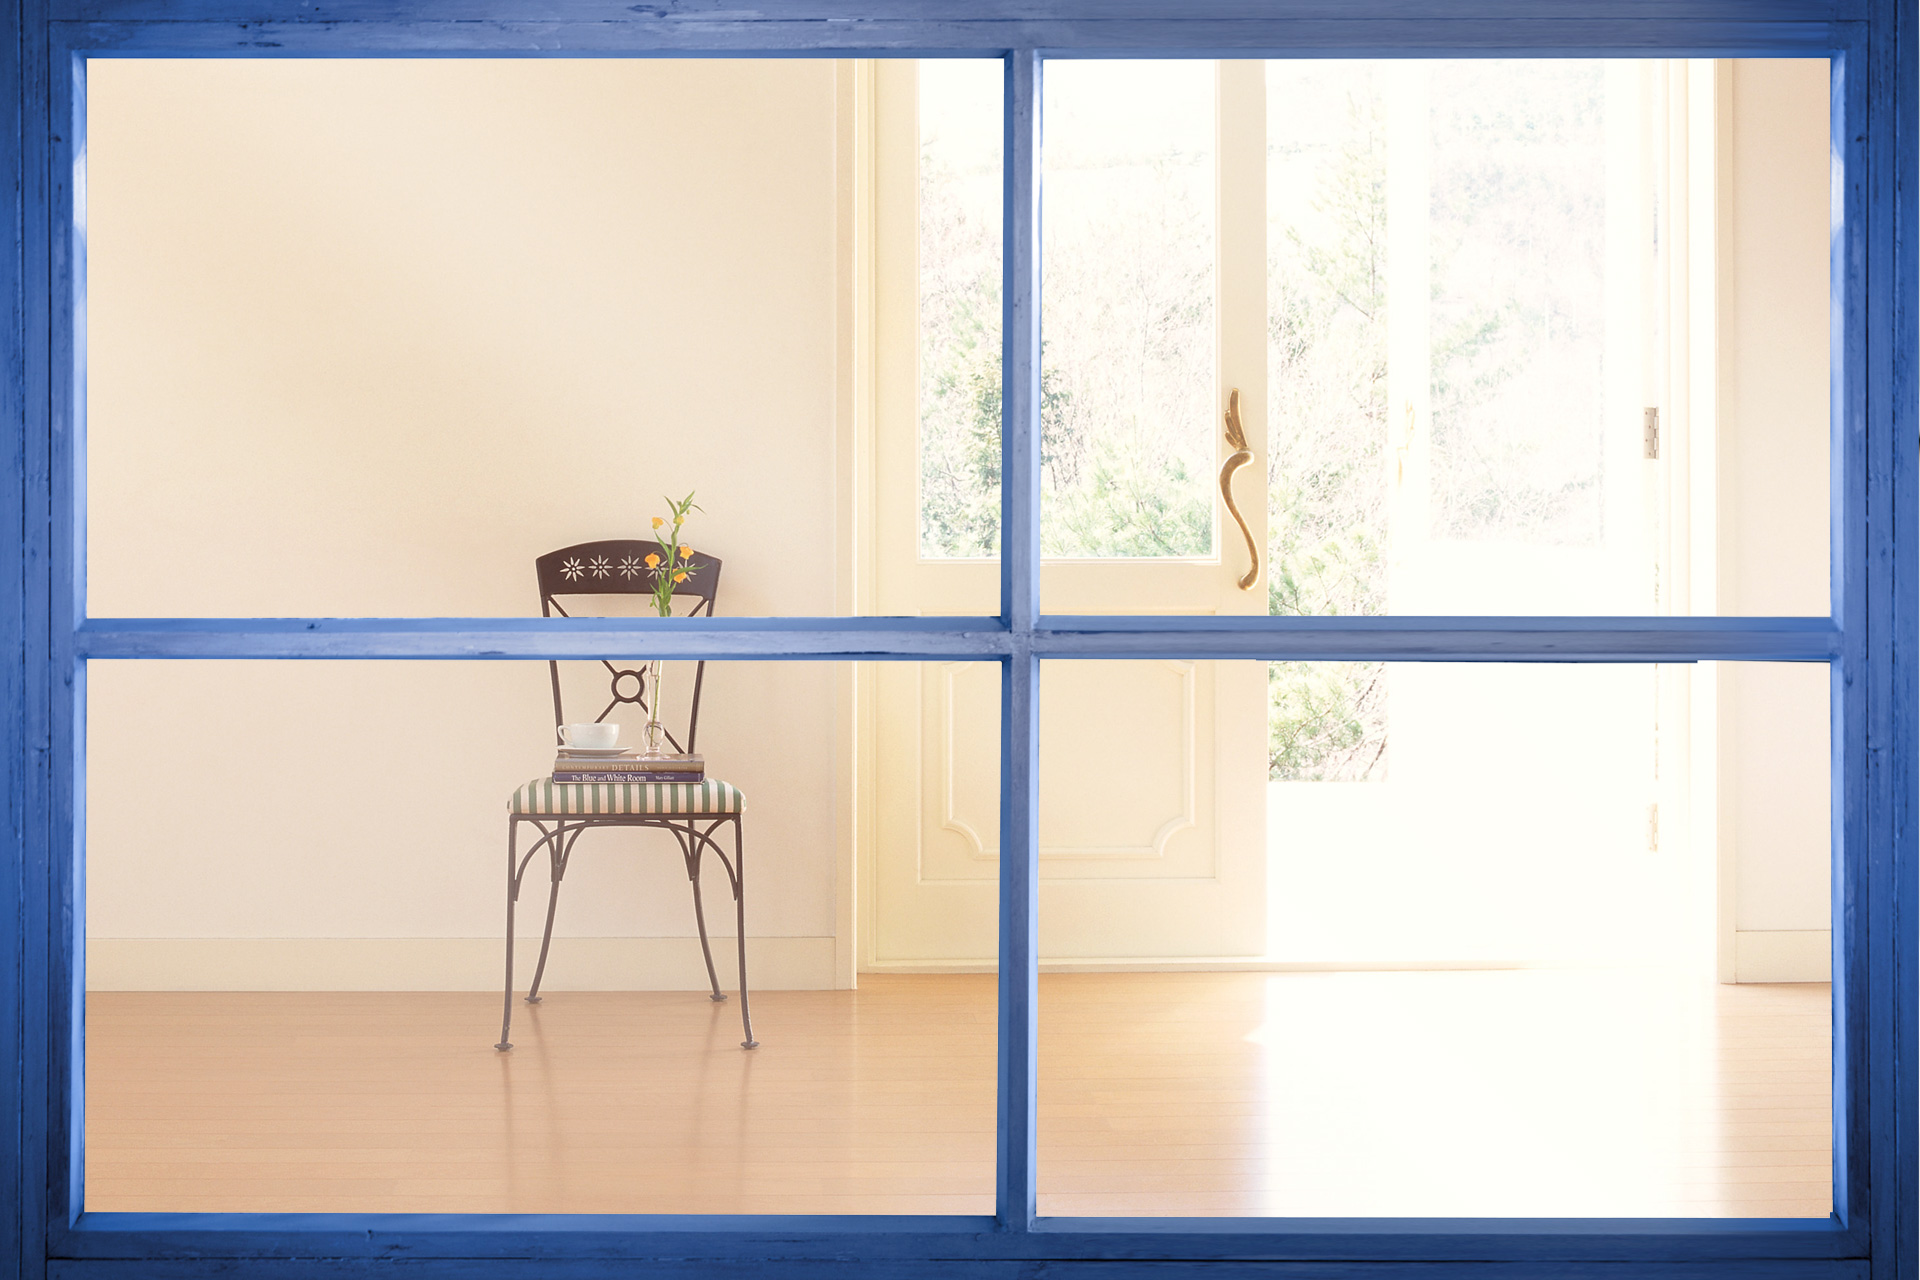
x=605, y=734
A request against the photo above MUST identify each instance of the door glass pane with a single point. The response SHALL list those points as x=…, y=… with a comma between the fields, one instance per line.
x=1127, y=312
x=960, y=114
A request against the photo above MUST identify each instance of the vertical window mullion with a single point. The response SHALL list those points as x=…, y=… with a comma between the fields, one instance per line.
x=1862, y=798
x=1014, y=1201
x=1015, y=1195
x=1020, y=347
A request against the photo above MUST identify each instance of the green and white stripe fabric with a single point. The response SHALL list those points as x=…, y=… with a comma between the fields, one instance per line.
x=545, y=797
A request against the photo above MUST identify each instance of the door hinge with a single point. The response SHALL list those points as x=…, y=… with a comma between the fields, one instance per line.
x=1653, y=828
x=1652, y=435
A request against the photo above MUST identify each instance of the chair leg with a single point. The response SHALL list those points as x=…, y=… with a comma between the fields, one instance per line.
x=546, y=940
x=700, y=918
x=506, y=1017
x=740, y=932
x=558, y=851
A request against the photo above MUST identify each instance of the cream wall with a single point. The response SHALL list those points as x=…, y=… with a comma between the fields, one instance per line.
x=1773, y=509
x=366, y=337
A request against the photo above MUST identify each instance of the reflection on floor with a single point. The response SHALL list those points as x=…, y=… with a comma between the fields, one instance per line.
x=1515, y=1093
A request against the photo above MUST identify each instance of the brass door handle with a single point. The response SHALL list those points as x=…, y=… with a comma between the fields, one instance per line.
x=1237, y=437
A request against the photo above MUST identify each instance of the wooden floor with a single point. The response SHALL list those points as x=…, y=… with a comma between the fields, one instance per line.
x=1517, y=1093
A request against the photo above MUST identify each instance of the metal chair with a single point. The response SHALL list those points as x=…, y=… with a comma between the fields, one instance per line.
x=561, y=812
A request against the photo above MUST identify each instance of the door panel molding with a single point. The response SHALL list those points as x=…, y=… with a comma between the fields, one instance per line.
x=947, y=760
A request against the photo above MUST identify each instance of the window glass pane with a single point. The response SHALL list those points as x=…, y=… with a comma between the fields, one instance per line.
x=1564, y=956
x=296, y=927
x=1487, y=337
x=365, y=337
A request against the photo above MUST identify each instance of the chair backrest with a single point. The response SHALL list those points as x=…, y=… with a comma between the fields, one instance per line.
x=618, y=566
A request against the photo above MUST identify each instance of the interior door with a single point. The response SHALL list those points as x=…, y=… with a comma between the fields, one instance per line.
x=1153, y=774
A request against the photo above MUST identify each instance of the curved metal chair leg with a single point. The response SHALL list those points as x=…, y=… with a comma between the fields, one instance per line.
x=692, y=849
x=740, y=932
x=707, y=952
x=559, y=850
x=546, y=940
x=506, y=1017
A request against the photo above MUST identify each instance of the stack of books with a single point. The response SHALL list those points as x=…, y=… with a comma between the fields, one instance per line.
x=615, y=764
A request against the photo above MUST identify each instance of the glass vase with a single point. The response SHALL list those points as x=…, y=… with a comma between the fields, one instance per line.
x=655, y=732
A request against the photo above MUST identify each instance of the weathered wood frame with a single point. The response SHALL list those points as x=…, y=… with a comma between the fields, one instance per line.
x=1868, y=641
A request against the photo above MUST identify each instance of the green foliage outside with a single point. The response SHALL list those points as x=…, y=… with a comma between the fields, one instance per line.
x=1115, y=478
x=1095, y=500
x=959, y=364
x=1326, y=721
x=1327, y=437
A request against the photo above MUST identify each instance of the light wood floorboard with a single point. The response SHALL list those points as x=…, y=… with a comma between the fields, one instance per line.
x=1519, y=1093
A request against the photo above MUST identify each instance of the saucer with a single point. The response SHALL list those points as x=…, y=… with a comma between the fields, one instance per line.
x=594, y=753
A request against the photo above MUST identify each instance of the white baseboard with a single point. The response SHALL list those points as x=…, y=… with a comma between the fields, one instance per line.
x=1782, y=955
x=446, y=964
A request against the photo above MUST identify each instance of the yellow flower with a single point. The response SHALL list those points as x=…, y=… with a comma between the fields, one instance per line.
x=657, y=522
x=653, y=561
x=679, y=577
x=685, y=551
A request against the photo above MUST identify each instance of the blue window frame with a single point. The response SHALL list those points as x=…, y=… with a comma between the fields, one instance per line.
x=1868, y=640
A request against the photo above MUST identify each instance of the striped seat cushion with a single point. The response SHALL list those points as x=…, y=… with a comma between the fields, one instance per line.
x=544, y=796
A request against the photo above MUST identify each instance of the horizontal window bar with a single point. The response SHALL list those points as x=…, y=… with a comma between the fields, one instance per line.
x=274, y=28
x=1415, y=639
x=934, y=20
x=419, y=1237
x=1406, y=639
x=913, y=639
x=852, y=1269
